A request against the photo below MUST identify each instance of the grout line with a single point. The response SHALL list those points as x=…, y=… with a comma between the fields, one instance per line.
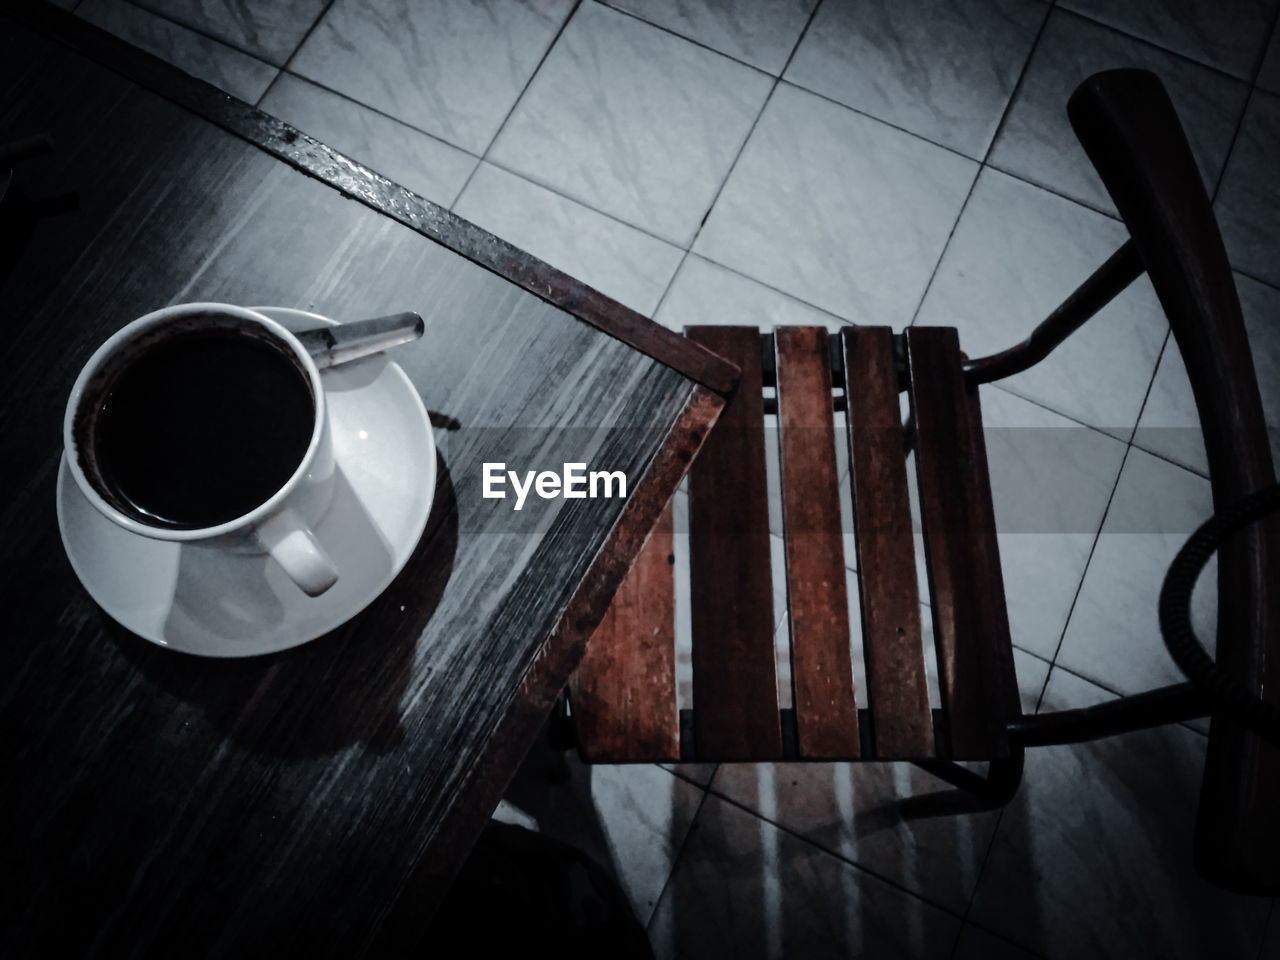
x=379, y=112
x=1231, y=148
x=742, y=147
x=982, y=869
x=1004, y=114
x=998, y=385
x=294, y=52
x=880, y=120
x=510, y=113
x=1248, y=102
x=675, y=860
x=808, y=841
x=698, y=43
x=1256, y=279
x=1083, y=573
x=197, y=31
x=515, y=104
x=1049, y=188
x=1151, y=43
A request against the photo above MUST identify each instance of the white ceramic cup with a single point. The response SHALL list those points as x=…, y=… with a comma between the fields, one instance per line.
x=282, y=526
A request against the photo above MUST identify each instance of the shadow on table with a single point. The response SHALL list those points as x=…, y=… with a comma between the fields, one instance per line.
x=343, y=688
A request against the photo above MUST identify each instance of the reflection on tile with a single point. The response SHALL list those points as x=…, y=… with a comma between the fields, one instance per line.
x=1248, y=203
x=229, y=70
x=451, y=69
x=631, y=819
x=1170, y=425
x=944, y=71
x=1269, y=73
x=632, y=267
x=1227, y=34
x=837, y=209
x=1114, y=634
x=853, y=810
x=633, y=121
x=427, y=166
x=704, y=292
x=761, y=34
x=977, y=944
x=269, y=29
x=743, y=888
x=1017, y=253
x=1036, y=141
x=1093, y=856
x=1050, y=483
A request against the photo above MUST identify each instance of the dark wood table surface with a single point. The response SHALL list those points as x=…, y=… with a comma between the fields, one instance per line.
x=317, y=801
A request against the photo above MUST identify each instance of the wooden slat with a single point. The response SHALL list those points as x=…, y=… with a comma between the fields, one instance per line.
x=988, y=576
x=892, y=639
x=959, y=532
x=735, y=687
x=624, y=693
x=817, y=601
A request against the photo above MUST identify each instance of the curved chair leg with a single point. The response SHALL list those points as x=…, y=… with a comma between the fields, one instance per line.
x=976, y=792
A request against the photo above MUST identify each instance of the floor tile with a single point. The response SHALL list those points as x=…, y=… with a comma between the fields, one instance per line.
x=704, y=292
x=761, y=34
x=977, y=944
x=1269, y=72
x=837, y=209
x=1017, y=253
x=631, y=819
x=1093, y=856
x=1051, y=480
x=1113, y=637
x=227, y=69
x=1248, y=203
x=1036, y=141
x=944, y=71
x=632, y=267
x=269, y=29
x=453, y=70
x=427, y=166
x=853, y=809
x=1170, y=425
x=744, y=889
x=633, y=121
x=1226, y=34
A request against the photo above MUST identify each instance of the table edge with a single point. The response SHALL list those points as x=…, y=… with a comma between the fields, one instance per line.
x=549, y=672
x=358, y=182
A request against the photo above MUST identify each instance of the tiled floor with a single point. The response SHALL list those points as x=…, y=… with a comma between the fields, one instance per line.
x=794, y=161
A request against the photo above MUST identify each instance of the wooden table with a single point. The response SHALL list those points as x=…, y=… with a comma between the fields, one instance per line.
x=315, y=802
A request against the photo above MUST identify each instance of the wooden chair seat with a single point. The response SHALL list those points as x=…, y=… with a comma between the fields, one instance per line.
x=623, y=698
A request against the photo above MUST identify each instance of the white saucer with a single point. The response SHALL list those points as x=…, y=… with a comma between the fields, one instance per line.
x=219, y=604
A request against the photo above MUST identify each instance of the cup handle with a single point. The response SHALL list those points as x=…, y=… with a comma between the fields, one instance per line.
x=290, y=541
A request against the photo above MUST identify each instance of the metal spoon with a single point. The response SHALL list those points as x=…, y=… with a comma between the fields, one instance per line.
x=343, y=342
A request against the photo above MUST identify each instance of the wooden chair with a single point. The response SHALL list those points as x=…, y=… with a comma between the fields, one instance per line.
x=623, y=698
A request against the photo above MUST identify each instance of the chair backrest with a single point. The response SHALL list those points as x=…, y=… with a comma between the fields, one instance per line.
x=1128, y=126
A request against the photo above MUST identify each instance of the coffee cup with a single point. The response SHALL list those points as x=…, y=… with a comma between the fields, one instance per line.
x=205, y=423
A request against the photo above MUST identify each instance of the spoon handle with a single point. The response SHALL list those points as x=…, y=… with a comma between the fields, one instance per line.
x=330, y=346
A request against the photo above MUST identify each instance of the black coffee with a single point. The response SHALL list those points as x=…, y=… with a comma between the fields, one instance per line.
x=202, y=427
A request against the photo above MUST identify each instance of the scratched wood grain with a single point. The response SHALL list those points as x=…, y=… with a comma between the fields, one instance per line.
x=158, y=804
